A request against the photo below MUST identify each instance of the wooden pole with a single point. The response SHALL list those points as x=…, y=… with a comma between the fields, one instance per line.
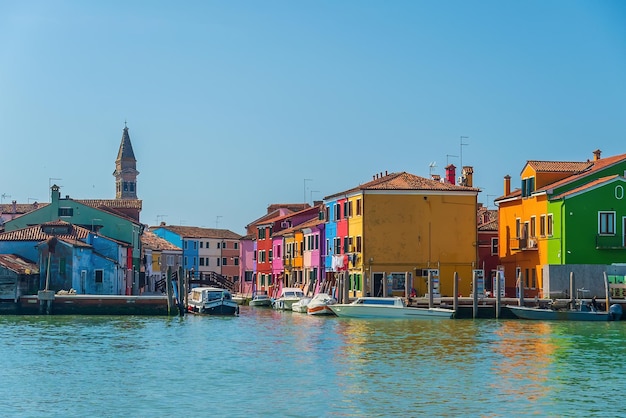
x=520, y=286
x=572, y=290
x=607, y=293
x=498, y=295
x=431, y=302
x=455, y=298
x=384, y=284
x=346, y=287
x=168, y=287
x=181, y=294
x=474, y=296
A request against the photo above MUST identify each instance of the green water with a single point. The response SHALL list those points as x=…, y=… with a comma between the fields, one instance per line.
x=269, y=363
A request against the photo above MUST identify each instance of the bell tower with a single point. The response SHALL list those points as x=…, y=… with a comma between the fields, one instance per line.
x=125, y=169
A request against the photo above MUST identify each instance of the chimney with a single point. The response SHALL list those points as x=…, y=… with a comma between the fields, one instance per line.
x=436, y=177
x=507, y=185
x=468, y=173
x=451, y=174
x=596, y=155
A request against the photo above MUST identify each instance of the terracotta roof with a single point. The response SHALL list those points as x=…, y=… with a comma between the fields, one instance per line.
x=18, y=264
x=150, y=240
x=197, y=232
x=405, y=181
x=559, y=166
x=36, y=232
x=21, y=208
x=586, y=186
x=294, y=207
x=593, y=168
x=489, y=226
x=112, y=203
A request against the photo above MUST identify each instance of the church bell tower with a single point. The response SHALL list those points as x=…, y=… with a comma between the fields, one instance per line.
x=125, y=169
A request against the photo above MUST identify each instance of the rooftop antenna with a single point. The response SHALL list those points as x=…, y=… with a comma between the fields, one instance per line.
x=431, y=167
x=4, y=196
x=50, y=185
x=159, y=218
x=34, y=199
x=448, y=158
x=217, y=220
x=461, y=147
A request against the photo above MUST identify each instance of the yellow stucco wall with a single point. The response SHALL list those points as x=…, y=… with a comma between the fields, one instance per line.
x=403, y=232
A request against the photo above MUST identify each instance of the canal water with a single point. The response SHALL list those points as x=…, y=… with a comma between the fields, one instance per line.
x=269, y=363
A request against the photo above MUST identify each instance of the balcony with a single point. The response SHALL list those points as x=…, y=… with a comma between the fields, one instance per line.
x=610, y=242
x=523, y=244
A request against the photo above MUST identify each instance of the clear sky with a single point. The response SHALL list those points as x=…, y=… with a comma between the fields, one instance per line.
x=235, y=105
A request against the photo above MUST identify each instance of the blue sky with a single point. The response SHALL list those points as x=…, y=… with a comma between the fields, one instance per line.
x=231, y=105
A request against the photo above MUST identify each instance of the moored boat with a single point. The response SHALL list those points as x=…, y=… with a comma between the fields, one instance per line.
x=583, y=313
x=301, y=305
x=260, y=300
x=211, y=301
x=288, y=297
x=390, y=307
x=319, y=304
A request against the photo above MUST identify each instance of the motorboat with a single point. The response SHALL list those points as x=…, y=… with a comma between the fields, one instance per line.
x=301, y=305
x=260, y=300
x=288, y=296
x=319, y=304
x=211, y=301
x=582, y=312
x=387, y=307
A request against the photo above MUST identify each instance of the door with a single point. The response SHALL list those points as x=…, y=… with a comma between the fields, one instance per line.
x=377, y=281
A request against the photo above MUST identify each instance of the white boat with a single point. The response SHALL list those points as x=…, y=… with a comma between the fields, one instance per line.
x=211, y=301
x=301, y=305
x=260, y=300
x=319, y=304
x=288, y=297
x=391, y=307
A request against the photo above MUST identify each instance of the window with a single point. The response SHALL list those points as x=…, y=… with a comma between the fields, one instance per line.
x=236, y=245
x=549, y=224
x=236, y=261
x=350, y=209
x=66, y=211
x=201, y=243
x=518, y=227
x=218, y=261
x=99, y=275
x=358, y=207
x=271, y=255
x=194, y=261
x=317, y=242
x=337, y=249
x=337, y=212
x=202, y=261
x=534, y=279
x=185, y=246
x=533, y=226
x=207, y=260
x=195, y=245
x=359, y=244
x=207, y=244
x=224, y=261
x=494, y=246
x=254, y=256
x=346, y=245
x=185, y=261
x=542, y=225
x=606, y=223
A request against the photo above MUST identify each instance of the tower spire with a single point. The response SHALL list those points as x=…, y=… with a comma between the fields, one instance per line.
x=125, y=169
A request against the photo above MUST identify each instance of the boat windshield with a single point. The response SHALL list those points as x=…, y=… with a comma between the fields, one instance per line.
x=377, y=301
x=217, y=295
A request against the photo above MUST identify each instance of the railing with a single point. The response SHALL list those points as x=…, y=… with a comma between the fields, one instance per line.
x=609, y=242
x=523, y=244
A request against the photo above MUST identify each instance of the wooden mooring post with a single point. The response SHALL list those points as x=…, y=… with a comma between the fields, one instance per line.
x=520, y=289
x=498, y=296
x=455, y=300
x=474, y=296
x=431, y=301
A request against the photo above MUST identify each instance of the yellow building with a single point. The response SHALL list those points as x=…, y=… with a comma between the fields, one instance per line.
x=399, y=224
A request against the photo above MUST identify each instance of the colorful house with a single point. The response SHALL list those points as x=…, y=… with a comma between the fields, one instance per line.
x=71, y=257
x=399, y=225
x=488, y=260
x=566, y=217
x=206, y=251
x=159, y=256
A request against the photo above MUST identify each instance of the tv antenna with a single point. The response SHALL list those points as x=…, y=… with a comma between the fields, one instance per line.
x=431, y=167
x=4, y=196
x=448, y=158
x=461, y=148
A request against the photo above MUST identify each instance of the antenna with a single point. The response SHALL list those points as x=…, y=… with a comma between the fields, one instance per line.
x=461, y=147
x=159, y=218
x=4, y=196
x=448, y=158
x=431, y=167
